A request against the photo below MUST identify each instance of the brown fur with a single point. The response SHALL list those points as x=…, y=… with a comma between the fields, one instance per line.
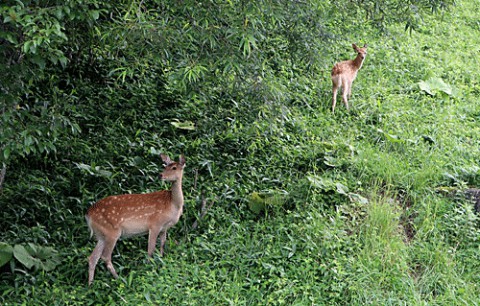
x=111, y=213
x=135, y=214
x=344, y=73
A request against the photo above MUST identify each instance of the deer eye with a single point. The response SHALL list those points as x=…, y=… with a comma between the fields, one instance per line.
x=174, y=168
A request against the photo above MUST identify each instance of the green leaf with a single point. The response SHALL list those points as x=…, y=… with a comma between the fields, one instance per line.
x=185, y=125
x=341, y=189
x=26, y=46
x=321, y=182
x=95, y=14
x=59, y=13
x=39, y=60
x=355, y=197
x=6, y=153
x=43, y=258
x=391, y=137
x=255, y=203
x=425, y=87
x=6, y=253
x=63, y=61
x=258, y=202
x=434, y=85
x=330, y=161
x=154, y=151
x=24, y=257
x=9, y=37
x=247, y=44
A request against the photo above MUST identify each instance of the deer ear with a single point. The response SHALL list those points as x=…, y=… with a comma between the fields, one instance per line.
x=166, y=160
x=182, y=160
x=365, y=45
x=354, y=46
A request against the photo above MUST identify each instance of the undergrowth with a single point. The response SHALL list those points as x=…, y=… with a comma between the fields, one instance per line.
x=309, y=208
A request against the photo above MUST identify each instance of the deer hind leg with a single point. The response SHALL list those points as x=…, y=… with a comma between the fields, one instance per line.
x=336, y=81
x=93, y=259
x=107, y=254
x=345, y=93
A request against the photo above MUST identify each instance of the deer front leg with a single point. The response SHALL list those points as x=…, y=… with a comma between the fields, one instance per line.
x=163, y=237
x=152, y=240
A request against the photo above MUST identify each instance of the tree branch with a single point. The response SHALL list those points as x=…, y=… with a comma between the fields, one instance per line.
x=203, y=211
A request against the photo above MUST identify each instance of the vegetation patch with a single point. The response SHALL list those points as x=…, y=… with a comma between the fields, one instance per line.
x=285, y=202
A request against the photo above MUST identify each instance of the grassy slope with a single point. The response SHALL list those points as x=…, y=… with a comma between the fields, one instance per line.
x=408, y=245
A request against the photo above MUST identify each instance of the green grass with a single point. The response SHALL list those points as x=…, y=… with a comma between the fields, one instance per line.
x=361, y=222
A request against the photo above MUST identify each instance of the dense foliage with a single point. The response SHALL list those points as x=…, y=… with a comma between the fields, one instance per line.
x=306, y=207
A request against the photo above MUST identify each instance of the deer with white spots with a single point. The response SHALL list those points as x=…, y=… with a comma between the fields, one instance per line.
x=343, y=74
x=135, y=214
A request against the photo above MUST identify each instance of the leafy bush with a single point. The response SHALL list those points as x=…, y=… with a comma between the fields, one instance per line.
x=308, y=208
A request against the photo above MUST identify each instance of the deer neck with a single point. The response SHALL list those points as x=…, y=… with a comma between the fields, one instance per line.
x=177, y=193
x=358, y=61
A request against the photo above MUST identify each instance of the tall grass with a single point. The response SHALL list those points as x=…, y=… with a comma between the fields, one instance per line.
x=359, y=220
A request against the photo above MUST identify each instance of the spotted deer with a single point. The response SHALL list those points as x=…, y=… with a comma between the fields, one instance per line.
x=343, y=74
x=136, y=214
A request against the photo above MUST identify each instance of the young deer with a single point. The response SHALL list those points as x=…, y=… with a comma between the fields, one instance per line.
x=344, y=73
x=134, y=214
